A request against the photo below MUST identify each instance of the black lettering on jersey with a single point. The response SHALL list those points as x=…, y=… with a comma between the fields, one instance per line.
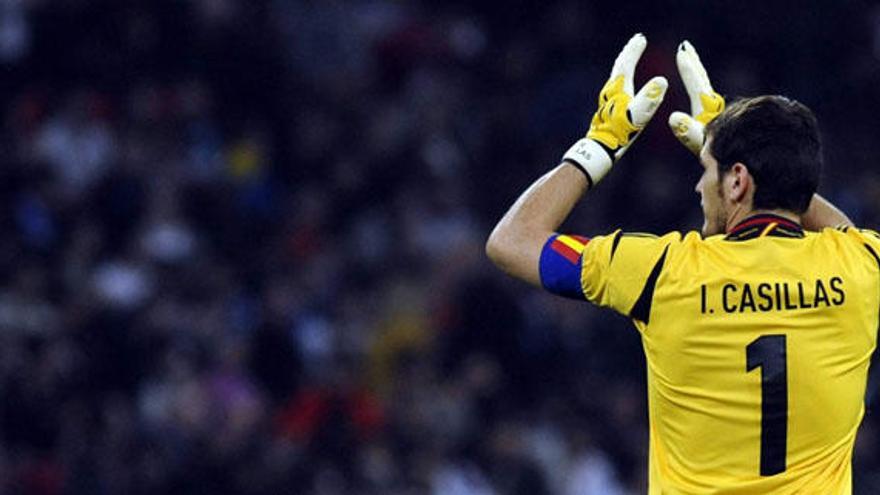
x=727, y=288
x=703, y=299
x=767, y=296
x=836, y=282
x=802, y=303
x=778, y=297
x=747, y=301
x=788, y=304
x=821, y=295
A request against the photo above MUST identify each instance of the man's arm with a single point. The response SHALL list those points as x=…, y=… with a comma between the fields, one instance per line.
x=516, y=242
x=821, y=213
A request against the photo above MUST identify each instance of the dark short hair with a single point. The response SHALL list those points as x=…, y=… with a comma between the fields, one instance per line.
x=777, y=139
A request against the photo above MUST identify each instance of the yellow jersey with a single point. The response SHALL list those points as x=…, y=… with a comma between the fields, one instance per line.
x=757, y=346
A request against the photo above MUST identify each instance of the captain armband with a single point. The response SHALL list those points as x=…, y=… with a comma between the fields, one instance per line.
x=560, y=265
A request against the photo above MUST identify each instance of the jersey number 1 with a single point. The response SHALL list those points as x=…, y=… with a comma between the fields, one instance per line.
x=768, y=353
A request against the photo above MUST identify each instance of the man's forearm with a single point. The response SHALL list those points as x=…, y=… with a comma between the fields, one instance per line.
x=821, y=213
x=516, y=242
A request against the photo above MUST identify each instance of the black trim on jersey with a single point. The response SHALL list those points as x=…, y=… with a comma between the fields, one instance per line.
x=755, y=225
x=873, y=370
x=869, y=232
x=641, y=310
x=873, y=374
x=744, y=234
x=873, y=382
x=874, y=254
x=614, y=244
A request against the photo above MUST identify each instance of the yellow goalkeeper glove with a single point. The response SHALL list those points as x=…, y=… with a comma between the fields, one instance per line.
x=621, y=115
x=706, y=104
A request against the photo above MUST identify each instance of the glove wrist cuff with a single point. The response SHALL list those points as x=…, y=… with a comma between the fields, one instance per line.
x=591, y=158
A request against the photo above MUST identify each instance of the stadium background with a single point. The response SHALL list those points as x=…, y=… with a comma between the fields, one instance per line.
x=241, y=241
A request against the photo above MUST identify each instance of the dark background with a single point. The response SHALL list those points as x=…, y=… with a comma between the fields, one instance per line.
x=241, y=241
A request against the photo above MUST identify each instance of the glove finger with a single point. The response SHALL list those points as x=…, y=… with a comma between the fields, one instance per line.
x=687, y=130
x=625, y=64
x=647, y=100
x=693, y=74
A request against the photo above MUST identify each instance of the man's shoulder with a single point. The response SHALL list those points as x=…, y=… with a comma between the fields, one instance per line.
x=639, y=244
x=853, y=238
x=644, y=243
x=848, y=232
x=673, y=236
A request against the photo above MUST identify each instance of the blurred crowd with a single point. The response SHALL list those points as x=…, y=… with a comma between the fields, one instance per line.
x=241, y=241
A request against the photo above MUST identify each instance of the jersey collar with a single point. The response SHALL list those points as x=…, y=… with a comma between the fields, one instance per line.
x=764, y=224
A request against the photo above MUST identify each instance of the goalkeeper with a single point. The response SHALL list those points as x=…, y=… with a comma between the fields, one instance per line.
x=758, y=331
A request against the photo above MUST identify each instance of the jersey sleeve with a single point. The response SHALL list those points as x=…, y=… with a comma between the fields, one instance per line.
x=620, y=271
x=612, y=271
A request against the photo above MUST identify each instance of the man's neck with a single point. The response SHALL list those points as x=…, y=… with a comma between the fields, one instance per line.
x=739, y=215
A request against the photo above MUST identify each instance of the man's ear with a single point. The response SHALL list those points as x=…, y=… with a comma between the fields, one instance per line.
x=738, y=183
